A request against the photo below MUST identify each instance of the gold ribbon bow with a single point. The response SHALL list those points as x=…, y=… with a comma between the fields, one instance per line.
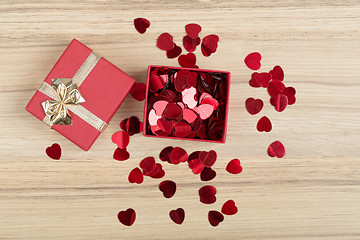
x=67, y=93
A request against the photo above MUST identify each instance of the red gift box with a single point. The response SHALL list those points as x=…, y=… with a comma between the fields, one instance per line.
x=215, y=126
x=103, y=86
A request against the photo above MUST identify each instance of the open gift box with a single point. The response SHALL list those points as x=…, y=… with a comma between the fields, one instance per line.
x=186, y=103
x=80, y=95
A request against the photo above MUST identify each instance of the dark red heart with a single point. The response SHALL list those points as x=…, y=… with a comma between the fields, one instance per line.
x=141, y=24
x=165, y=154
x=208, y=158
x=254, y=106
x=196, y=166
x=190, y=44
x=207, y=194
x=168, y=188
x=252, y=61
x=280, y=102
x=165, y=42
x=275, y=87
x=121, y=154
x=211, y=42
x=234, y=166
x=193, y=30
x=54, y=151
x=181, y=129
x=188, y=60
x=229, y=208
x=264, y=124
x=138, y=91
x=263, y=79
x=148, y=164
x=175, y=52
x=207, y=174
x=178, y=155
x=127, y=217
x=177, y=215
x=173, y=111
x=215, y=218
x=136, y=176
x=252, y=82
x=276, y=149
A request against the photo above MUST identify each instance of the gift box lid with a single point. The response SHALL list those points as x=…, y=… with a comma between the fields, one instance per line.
x=104, y=89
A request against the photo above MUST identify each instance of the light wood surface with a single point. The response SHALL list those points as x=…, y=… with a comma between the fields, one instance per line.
x=313, y=193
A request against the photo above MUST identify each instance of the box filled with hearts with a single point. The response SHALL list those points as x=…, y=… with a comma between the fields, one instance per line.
x=80, y=95
x=186, y=103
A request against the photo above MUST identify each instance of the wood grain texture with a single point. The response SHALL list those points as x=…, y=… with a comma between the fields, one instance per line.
x=313, y=193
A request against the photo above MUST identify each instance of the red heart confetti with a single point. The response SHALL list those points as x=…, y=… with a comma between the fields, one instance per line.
x=207, y=174
x=252, y=82
x=254, y=106
x=207, y=194
x=190, y=44
x=193, y=30
x=138, y=91
x=215, y=218
x=275, y=87
x=280, y=102
x=127, y=217
x=174, y=52
x=121, y=154
x=168, y=188
x=277, y=73
x=252, y=61
x=165, y=42
x=147, y=164
x=234, y=166
x=131, y=125
x=165, y=154
x=188, y=60
x=229, y=208
x=173, y=111
x=160, y=172
x=276, y=149
x=54, y=151
x=264, y=124
x=136, y=176
x=181, y=129
x=196, y=166
x=178, y=155
x=209, y=44
x=263, y=79
x=208, y=158
x=177, y=215
x=121, y=139
x=141, y=24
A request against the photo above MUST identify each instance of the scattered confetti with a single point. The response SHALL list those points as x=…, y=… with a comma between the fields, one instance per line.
x=177, y=215
x=209, y=44
x=165, y=42
x=121, y=139
x=234, y=166
x=215, y=218
x=54, y=151
x=131, y=125
x=208, y=158
x=138, y=91
x=190, y=44
x=178, y=155
x=127, y=217
x=207, y=194
x=121, y=154
x=193, y=30
x=276, y=149
x=168, y=188
x=188, y=60
x=136, y=176
x=207, y=174
x=229, y=208
x=264, y=124
x=252, y=61
x=141, y=24
x=254, y=106
x=174, y=52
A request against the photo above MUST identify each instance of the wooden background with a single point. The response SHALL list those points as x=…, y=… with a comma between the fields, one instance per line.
x=312, y=193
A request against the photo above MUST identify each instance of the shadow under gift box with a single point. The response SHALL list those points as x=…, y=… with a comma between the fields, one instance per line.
x=104, y=89
x=226, y=77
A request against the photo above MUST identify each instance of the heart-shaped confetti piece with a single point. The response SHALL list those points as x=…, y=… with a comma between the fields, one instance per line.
x=173, y=111
x=165, y=154
x=215, y=218
x=160, y=107
x=276, y=149
x=263, y=79
x=168, y=188
x=207, y=194
x=208, y=158
x=277, y=73
x=175, y=52
x=136, y=176
x=131, y=125
x=165, y=42
x=189, y=115
x=54, y=151
x=127, y=217
x=211, y=42
x=207, y=174
x=177, y=215
x=121, y=139
x=280, y=102
x=148, y=164
x=153, y=118
x=254, y=106
x=141, y=24
x=196, y=166
x=121, y=154
x=252, y=82
x=156, y=81
x=165, y=125
x=264, y=124
x=190, y=44
x=178, y=155
x=234, y=166
x=138, y=91
x=229, y=208
x=252, y=61
x=181, y=129
x=192, y=30
x=160, y=172
x=275, y=87
x=188, y=60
